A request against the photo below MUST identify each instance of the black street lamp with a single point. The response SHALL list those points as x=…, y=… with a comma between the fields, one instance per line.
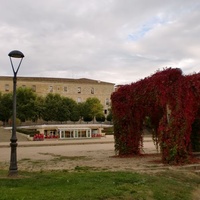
x=13, y=156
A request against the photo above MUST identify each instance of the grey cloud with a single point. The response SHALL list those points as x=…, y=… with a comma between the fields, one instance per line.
x=112, y=40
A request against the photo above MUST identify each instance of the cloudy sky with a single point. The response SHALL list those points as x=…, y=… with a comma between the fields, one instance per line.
x=118, y=41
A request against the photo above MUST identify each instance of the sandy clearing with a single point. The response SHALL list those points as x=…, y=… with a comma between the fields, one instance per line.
x=68, y=157
x=98, y=156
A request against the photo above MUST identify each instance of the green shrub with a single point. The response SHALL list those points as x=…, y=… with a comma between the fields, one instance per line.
x=30, y=132
x=108, y=130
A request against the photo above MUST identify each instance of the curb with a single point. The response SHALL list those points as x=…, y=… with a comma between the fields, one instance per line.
x=55, y=143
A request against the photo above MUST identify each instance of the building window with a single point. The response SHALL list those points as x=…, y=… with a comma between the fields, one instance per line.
x=79, y=100
x=65, y=89
x=79, y=90
x=23, y=86
x=34, y=88
x=50, y=88
x=105, y=112
x=92, y=90
x=107, y=102
x=7, y=88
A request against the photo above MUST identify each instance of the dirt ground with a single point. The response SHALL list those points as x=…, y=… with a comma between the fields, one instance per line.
x=99, y=156
x=72, y=155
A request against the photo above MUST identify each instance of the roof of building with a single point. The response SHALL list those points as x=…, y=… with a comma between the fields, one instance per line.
x=51, y=79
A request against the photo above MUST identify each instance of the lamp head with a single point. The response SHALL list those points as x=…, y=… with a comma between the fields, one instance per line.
x=16, y=54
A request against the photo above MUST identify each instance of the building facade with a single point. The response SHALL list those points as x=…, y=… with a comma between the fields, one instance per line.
x=77, y=89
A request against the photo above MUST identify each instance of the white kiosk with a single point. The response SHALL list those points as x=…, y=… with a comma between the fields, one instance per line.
x=67, y=133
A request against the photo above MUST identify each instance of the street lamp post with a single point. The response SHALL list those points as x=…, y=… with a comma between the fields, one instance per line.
x=13, y=156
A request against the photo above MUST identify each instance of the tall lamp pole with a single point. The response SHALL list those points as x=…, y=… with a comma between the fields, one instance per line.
x=13, y=156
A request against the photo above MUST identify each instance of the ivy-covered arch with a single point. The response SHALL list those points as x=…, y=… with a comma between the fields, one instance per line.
x=172, y=102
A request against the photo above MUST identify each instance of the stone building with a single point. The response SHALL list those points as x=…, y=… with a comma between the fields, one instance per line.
x=77, y=89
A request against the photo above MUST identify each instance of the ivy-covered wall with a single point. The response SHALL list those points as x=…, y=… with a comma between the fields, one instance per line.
x=171, y=100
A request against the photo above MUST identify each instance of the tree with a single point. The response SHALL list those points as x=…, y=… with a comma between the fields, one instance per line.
x=87, y=118
x=63, y=110
x=26, y=107
x=39, y=104
x=109, y=116
x=93, y=107
x=5, y=107
x=80, y=107
x=75, y=112
x=57, y=108
x=50, y=107
x=100, y=117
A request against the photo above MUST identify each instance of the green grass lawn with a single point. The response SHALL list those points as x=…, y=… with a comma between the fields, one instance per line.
x=86, y=184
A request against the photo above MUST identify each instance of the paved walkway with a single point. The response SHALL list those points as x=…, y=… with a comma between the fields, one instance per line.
x=58, y=142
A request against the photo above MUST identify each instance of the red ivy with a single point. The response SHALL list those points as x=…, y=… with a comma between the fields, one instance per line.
x=151, y=97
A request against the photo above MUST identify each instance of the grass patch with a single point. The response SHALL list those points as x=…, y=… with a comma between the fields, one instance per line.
x=88, y=185
x=108, y=130
x=33, y=162
x=86, y=169
x=63, y=158
x=25, y=160
x=30, y=132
